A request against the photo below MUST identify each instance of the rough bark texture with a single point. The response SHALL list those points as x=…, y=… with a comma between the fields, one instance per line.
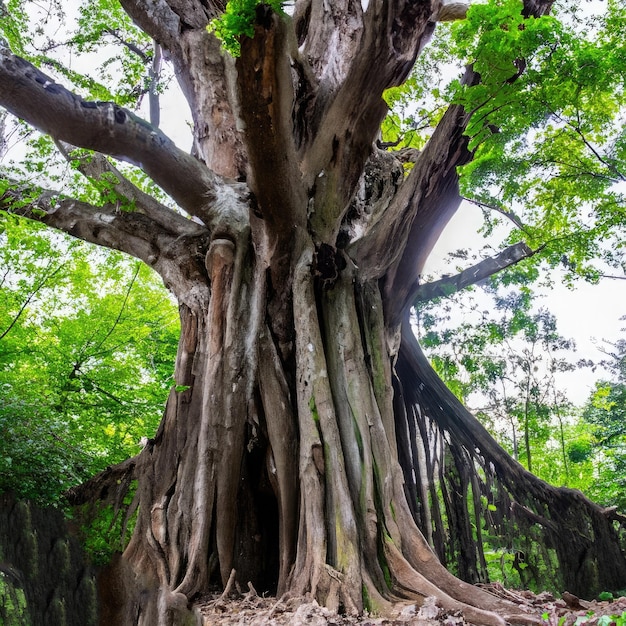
x=306, y=439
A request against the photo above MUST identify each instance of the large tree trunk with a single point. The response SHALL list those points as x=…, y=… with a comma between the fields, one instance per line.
x=281, y=465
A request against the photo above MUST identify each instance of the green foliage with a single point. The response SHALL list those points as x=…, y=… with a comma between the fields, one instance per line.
x=547, y=130
x=119, y=72
x=13, y=605
x=605, y=416
x=105, y=530
x=238, y=21
x=505, y=359
x=87, y=345
x=416, y=107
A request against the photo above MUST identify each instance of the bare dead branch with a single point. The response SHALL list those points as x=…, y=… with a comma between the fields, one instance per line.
x=103, y=485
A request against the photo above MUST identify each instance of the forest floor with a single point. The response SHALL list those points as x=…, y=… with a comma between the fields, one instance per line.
x=251, y=609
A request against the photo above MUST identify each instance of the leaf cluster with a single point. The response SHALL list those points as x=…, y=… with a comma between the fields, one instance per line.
x=238, y=21
x=104, y=56
x=548, y=130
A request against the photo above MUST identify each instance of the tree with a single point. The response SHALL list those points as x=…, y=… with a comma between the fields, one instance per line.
x=511, y=362
x=603, y=416
x=288, y=452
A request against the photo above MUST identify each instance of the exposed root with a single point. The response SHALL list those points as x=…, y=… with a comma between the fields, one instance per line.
x=229, y=585
x=410, y=582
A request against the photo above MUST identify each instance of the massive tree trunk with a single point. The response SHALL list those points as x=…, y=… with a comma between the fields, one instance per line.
x=297, y=448
x=281, y=463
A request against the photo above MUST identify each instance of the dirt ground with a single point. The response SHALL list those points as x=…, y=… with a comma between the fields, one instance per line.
x=251, y=609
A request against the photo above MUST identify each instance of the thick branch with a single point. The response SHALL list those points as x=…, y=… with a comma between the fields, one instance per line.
x=430, y=196
x=157, y=19
x=206, y=76
x=97, y=166
x=130, y=232
x=419, y=211
x=103, y=126
x=349, y=107
x=106, y=225
x=264, y=76
x=470, y=276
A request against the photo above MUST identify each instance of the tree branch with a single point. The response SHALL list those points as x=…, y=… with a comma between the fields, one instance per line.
x=470, y=276
x=131, y=232
x=105, y=127
x=428, y=199
x=419, y=211
x=510, y=215
x=128, y=44
x=105, y=485
x=35, y=290
x=104, y=225
x=96, y=166
x=264, y=75
x=206, y=76
x=349, y=105
x=153, y=93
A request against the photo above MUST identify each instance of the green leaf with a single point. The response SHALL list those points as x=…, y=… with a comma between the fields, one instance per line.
x=238, y=21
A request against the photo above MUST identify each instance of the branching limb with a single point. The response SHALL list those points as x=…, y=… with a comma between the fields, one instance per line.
x=128, y=231
x=104, y=225
x=33, y=96
x=470, y=276
x=428, y=200
x=342, y=140
x=418, y=213
x=206, y=76
x=97, y=166
x=510, y=215
x=103, y=485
